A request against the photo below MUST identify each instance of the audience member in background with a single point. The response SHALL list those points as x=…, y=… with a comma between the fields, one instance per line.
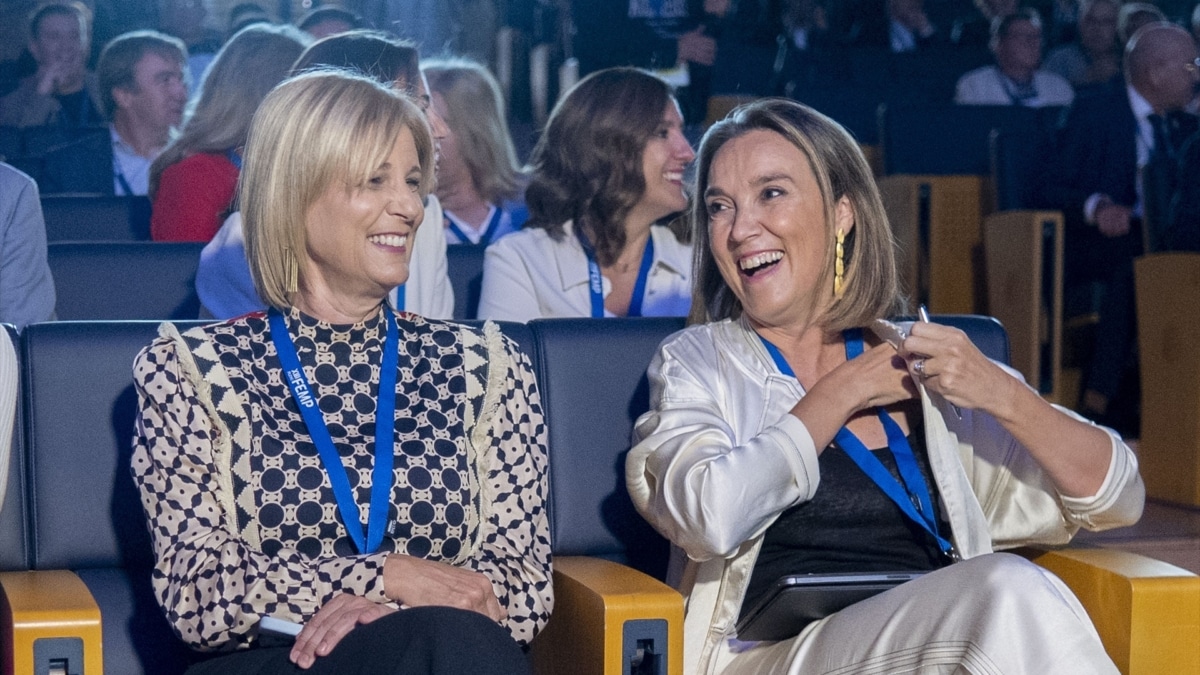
x=62, y=92
x=436, y=426
x=1095, y=57
x=1134, y=15
x=900, y=25
x=185, y=20
x=976, y=30
x=192, y=183
x=1107, y=139
x=143, y=86
x=26, y=288
x=465, y=27
x=479, y=181
x=1060, y=19
x=805, y=24
x=246, y=14
x=145, y=90
x=223, y=279
x=607, y=169
x=673, y=38
x=329, y=20
x=1016, y=78
x=1183, y=224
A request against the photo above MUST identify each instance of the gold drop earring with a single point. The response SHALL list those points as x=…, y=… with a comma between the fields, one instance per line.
x=839, y=264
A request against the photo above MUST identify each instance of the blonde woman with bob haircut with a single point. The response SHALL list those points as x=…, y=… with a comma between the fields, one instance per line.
x=479, y=180
x=194, y=180
x=794, y=431
x=348, y=458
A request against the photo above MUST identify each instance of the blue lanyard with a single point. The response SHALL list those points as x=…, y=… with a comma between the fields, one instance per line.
x=381, y=476
x=234, y=157
x=913, y=496
x=119, y=174
x=596, y=282
x=488, y=232
x=400, y=298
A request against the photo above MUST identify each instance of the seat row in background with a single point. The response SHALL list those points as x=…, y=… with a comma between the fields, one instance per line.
x=127, y=280
x=75, y=556
x=958, y=183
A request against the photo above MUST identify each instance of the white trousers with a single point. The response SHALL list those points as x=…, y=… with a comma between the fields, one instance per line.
x=994, y=614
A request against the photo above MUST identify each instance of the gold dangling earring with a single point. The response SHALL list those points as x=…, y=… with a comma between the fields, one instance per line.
x=291, y=271
x=839, y=264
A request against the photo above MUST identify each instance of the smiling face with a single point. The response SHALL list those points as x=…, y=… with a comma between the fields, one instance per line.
x=1019, y=49
x=768, y=229
x=60, y=39
x=664, y=158
x=359, y=238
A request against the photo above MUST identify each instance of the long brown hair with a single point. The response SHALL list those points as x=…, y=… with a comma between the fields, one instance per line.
x=587, y=166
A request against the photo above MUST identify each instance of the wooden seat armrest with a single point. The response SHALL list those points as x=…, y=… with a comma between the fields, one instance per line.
x=602, y=609
x=48, y=616
x=1146, y=611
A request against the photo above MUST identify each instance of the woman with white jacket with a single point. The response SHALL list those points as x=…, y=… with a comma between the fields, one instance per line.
x=792, y=433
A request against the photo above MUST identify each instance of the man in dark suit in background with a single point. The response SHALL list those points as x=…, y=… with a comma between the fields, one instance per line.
x=900, y=25
x=1108, y=138
x=1183, y=225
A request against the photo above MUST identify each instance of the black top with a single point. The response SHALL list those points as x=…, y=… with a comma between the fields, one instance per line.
x=849, y=525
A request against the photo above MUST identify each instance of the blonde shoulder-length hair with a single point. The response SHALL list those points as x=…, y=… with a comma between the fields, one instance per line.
x=871, y=286
x=317, y=130
x=475, y=113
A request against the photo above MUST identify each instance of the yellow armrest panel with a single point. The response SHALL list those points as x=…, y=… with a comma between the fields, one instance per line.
x=47, y=604
x=1146, y=611
x=593, y=599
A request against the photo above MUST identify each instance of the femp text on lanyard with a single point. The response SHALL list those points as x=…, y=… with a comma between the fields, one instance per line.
x=596, y=282
x=381, y=475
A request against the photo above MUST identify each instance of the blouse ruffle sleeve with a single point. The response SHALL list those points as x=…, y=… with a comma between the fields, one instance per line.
x=515, y=539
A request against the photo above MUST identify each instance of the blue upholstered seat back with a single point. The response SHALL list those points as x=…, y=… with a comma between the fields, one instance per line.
x=96, y=218
x=125, y=280
x=593, y=379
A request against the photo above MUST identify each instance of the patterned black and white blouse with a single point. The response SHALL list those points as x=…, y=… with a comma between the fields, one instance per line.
x=241, y=512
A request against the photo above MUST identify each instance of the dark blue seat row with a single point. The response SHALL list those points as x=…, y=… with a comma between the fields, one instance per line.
x=131, y=280
x=72, y=504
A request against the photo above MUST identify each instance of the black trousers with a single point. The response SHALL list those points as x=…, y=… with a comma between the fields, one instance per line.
x=434, y=640
x=1092, y=257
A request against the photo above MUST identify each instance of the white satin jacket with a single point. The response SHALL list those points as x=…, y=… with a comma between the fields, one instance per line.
x=718, y=458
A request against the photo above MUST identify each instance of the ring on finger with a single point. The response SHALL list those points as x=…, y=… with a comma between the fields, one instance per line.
x=919, y=367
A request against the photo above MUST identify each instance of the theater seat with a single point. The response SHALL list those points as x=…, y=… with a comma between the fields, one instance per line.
x=91, y=554
x=96, y=218
x=612, y=615
x=84, y=512
x=125, y=280
x=609, y=599
x=464, y=266
x=594, y=387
